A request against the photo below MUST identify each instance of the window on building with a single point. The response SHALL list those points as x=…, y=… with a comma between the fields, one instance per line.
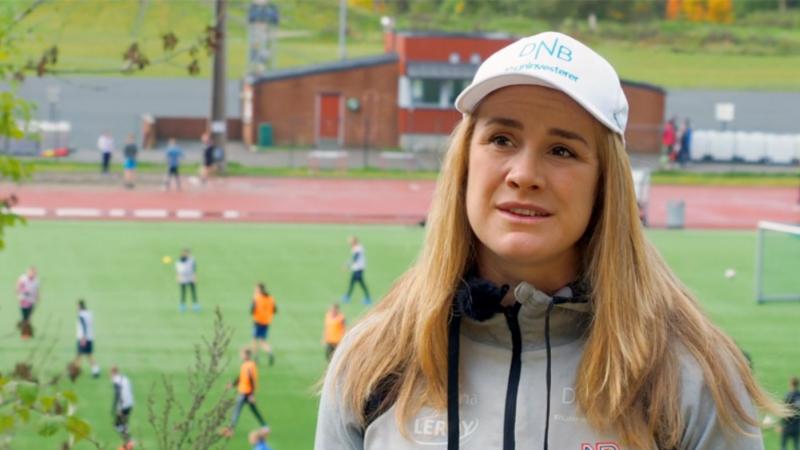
x=457, y=87
x=426, y=91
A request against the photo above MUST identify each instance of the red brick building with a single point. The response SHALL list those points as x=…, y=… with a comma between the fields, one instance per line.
x=403, y=98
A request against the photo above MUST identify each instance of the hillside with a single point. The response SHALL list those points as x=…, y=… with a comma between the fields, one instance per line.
x=759, y=51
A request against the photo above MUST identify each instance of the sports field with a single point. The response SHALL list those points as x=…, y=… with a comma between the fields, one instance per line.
x=117, y=268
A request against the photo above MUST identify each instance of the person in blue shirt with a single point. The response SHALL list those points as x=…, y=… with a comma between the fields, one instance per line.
x=174, y=155
x=258, y=439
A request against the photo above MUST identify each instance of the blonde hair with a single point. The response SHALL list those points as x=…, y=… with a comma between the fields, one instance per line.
x=629, y=363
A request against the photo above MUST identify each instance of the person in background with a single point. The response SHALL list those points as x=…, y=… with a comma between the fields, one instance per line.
x=790, y=430
x=85, y=332
x=28, y=296
x=130, y=151
x=258, y=439
x=186, y=275
x=122, y=406
x=334, y=330
x=105, y=143
x=174, y=155
x=263, y=310
x=685, y=151
x=207, y=170
x=358, y=263
x=668, y=139
x=246, y=384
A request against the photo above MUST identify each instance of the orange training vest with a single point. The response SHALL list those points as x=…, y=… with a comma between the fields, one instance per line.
x=334, y=328
x=248, y=374
x=264, y=309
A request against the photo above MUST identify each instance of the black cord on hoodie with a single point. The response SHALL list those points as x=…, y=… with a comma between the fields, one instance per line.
x=548, y=375
x=453, y=421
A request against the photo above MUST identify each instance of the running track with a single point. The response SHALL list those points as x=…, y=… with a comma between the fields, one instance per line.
x=358, y=201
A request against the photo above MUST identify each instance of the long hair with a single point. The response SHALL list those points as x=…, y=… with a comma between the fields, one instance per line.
x=629, y=375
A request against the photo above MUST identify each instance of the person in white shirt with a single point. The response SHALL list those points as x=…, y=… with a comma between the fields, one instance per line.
x=28, y=293
x=85, y=334
x=122, y=405
x=186, y=274
x=105, y=143
x=358, y=262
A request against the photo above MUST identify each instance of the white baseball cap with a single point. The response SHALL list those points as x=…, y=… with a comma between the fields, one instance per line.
x=559, y=62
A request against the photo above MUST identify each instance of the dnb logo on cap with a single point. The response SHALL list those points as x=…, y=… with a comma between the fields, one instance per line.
x=557, y=61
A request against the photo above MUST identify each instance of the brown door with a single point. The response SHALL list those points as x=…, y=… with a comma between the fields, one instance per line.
x=329, y=118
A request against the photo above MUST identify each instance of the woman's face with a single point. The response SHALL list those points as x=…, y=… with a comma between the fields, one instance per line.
x=531, y=183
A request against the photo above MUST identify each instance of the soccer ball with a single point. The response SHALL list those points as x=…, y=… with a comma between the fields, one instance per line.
x=166, y=260
x=730, y=273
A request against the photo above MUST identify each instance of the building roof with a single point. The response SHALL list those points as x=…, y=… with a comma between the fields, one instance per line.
x=448, y=34
x=641, y=85
x=440, y=70
x=349, y=64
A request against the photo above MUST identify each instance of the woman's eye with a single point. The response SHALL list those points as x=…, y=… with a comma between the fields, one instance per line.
x=562, y=151
x=502, y=141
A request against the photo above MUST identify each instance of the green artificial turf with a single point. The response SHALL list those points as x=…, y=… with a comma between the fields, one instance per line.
x=117, y=268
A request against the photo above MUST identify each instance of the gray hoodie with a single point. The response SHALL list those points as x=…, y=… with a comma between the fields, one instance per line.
x=484, y=380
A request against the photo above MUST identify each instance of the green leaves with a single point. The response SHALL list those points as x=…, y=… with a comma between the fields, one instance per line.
x=27, y=392
x=32, y=404
x=78, y=428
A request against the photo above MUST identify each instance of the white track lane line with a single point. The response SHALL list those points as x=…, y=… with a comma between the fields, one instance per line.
x=78, y=212
x=189, y=214
x=229, y=214
x=151, y=213
x=29, y=211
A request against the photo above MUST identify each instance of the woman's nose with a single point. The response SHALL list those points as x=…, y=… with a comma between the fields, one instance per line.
x=526, y=171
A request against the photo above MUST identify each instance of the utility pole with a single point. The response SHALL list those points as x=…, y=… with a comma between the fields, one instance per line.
x=342, y=29
x=218, y=118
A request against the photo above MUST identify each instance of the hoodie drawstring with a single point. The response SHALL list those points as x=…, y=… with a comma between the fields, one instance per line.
x=453, y=421
x=510, y=419
x=548, y=375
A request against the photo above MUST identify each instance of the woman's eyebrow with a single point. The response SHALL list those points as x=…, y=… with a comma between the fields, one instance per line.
x=506, y=122
x=566, y=134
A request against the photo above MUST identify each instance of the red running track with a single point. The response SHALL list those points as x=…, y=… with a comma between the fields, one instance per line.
x=360, y=201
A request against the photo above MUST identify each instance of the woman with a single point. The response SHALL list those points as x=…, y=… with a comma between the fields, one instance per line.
x=537, y=315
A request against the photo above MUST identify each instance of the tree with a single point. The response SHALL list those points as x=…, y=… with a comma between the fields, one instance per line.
x=196, y=423
x=719, y=11
x=29, y=399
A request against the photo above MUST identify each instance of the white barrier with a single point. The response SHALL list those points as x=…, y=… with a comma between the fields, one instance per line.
x=750, y=147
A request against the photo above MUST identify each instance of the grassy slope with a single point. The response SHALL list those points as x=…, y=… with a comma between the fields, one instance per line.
x=117, y=268
x=94, y=33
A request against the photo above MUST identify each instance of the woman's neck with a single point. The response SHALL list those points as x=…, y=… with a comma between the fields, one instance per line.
x=547, y=279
